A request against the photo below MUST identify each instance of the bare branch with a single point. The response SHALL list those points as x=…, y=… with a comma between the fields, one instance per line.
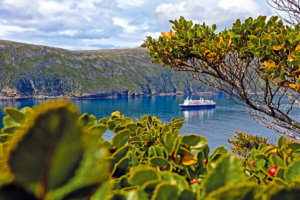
x=289, y=7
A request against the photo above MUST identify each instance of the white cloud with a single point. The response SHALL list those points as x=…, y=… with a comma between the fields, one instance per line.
x=247, y=6
x=124, y=24
x=172, y=10
x=9, y=29
x=68, y=32
x=125, y=3
x=111, y=23
x=220, y=12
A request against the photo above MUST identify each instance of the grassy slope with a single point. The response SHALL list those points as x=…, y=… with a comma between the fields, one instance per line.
x=32, y=70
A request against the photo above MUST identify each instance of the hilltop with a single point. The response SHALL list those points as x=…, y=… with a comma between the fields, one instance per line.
x=34, y=71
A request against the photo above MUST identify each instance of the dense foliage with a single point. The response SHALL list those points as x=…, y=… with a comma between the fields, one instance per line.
x=50, y=152
x=255, y=63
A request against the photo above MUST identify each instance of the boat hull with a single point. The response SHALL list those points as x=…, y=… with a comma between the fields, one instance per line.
x=191, y=107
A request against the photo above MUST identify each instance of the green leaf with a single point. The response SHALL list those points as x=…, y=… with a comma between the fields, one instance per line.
x=132, y=127
x=48, y=146
x=187, y=194
x=241, y=191
x=9, y=129
x=227, y=171
x=267, y=42
x=276, y=160
x=281, y=141
x=121, y=168
x=195, y=142
x=293, y=173
x=138, y=176
x=168, y=139
x=88, y=120
x=286, y=194
x=295, y=146
x=15, y=114
x=117, y=196
x=136, y=195
x=8, y=121
x=120, y=153
x=149, y=186
x=27, y=111
x=103, y=192
x=177, y=123
x=296, y=62
x=98, y=130
x=111, y=125
x=254, y=39
x=86, y=180
x=219, y=151
x=165, y=191
x=158, y=161
x=176, y=179
x=267, y=191
x=121, y=138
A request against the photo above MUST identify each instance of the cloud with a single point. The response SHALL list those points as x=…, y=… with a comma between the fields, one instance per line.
x=124, y=4
x=220, y=12
x=124, y=24
x=85, y=24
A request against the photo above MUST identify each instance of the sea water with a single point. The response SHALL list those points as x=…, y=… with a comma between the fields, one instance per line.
x=217, y=125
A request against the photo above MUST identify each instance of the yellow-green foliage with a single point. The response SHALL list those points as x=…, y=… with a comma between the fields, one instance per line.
x=274, y=45
x=56, y=154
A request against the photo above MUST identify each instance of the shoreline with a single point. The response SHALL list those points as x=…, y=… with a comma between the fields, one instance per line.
x=101, y=96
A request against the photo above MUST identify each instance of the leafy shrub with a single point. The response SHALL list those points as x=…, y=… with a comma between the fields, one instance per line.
x=54, y=153
x=243, y=143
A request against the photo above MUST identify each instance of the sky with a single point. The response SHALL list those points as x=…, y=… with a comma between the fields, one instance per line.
x=112, y=24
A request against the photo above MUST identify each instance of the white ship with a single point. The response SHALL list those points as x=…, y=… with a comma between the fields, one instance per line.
x=197, y=104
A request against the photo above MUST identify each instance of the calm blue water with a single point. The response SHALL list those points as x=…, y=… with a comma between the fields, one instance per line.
x=217, y=125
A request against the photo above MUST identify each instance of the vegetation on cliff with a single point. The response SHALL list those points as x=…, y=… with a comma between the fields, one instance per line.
x=32, y=71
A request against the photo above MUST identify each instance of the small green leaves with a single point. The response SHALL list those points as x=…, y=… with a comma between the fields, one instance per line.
x=145, y=160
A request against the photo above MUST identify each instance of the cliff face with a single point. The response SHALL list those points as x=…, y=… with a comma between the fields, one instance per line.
x=37, y=71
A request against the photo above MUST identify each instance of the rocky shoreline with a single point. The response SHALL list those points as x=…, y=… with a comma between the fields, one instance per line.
x=98, y=96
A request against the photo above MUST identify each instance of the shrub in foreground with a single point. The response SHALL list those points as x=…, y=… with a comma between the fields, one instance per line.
x=243, y=143
x=50, y=152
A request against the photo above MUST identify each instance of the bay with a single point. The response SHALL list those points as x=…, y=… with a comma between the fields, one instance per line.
x=217, y=124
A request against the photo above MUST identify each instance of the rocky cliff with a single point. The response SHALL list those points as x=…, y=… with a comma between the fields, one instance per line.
x=32, y=71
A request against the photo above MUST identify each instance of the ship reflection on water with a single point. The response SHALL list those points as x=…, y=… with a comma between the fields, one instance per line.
x=198, y=114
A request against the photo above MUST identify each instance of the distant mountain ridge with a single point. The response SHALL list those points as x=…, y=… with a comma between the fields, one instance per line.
x=33, y=71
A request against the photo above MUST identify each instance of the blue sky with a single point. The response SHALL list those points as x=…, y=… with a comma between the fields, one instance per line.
x=107, y=24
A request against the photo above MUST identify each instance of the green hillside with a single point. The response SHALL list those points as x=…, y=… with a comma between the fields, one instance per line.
x=37, y=71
